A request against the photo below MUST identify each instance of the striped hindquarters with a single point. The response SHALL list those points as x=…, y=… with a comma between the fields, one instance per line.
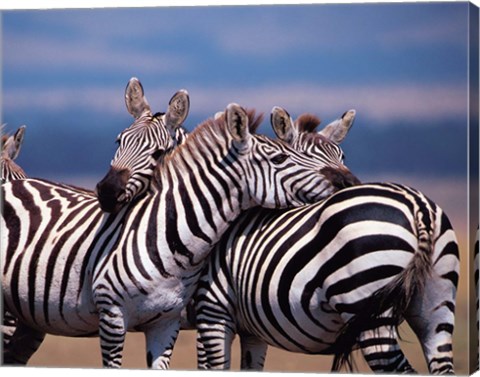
x=313, y=279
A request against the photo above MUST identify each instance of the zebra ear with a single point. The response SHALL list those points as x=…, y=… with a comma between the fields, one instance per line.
x=219, y=115
x=14, y=143
x=282, y=124
x=135, y=98
x=338, y=129
x=178, y=108
x=237, y=122
x=19, y=136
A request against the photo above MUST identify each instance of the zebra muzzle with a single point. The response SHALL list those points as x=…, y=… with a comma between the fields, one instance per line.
x=111, y=190
x=340, y=178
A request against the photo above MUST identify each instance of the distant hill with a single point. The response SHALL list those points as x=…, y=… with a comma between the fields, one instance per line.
x=83, y=144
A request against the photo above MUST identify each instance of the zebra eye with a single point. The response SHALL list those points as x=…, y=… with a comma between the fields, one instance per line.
x=279, y=158
x=157, y=154
x=343, y=157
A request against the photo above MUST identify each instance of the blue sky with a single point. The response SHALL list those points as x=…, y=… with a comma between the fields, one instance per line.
x=65, y=71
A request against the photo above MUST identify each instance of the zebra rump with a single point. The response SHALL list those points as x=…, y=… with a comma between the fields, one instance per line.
x=395, y=297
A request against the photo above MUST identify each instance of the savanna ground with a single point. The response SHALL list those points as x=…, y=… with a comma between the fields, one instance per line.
x=450, y=195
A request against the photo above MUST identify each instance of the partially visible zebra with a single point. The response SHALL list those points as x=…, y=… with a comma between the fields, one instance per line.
x=331, y=276
x=10, y=148
x=67, y=230
x=141, y=146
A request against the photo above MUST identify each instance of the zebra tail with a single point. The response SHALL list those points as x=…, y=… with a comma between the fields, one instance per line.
x=395, y=297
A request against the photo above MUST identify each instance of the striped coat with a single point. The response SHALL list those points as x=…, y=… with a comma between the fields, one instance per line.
x=332, y=276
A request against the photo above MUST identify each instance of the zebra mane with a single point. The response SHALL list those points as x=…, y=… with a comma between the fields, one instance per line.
x=201, y=141
x=307, y=122
x=254, y=120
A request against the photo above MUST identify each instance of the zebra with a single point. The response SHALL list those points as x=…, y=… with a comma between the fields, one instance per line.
x=10, y=149
x=82, y=231
x=332, y=276
x=233, y=168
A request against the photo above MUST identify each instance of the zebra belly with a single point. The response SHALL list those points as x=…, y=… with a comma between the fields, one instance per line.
x=145, y=303
x=293, y=318
x=52, y=237
x=57, y=310
x=290, y=335
x=49, y=298
x=49, y=287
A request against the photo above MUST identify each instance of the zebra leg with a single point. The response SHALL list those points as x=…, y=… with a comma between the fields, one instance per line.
x=382, y=352
x=112, y=336
x=9, y=326
x=24, y=342
x=254, y=352
x=431, y=313
x=214, y=345
x=215, y=316
x=201, y=357
x=431, y=316
x=160, y=342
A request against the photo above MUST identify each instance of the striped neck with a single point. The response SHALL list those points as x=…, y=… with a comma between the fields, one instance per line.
x=199, y=189
x=210, y=157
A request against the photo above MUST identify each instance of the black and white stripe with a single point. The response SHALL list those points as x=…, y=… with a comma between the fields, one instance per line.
x=53, y=235
x=9, y=170
x=142, y=283
x=331, y=276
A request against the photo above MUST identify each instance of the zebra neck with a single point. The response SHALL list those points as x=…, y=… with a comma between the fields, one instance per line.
x=197, y=197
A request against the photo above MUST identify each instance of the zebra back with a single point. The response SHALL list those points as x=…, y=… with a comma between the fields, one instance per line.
x=10, y=149
x=140, y=146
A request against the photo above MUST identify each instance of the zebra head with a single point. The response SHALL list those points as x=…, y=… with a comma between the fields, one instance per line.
x=321, y=147
x=10, y=149
x=140, y=146
x=278, y=176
